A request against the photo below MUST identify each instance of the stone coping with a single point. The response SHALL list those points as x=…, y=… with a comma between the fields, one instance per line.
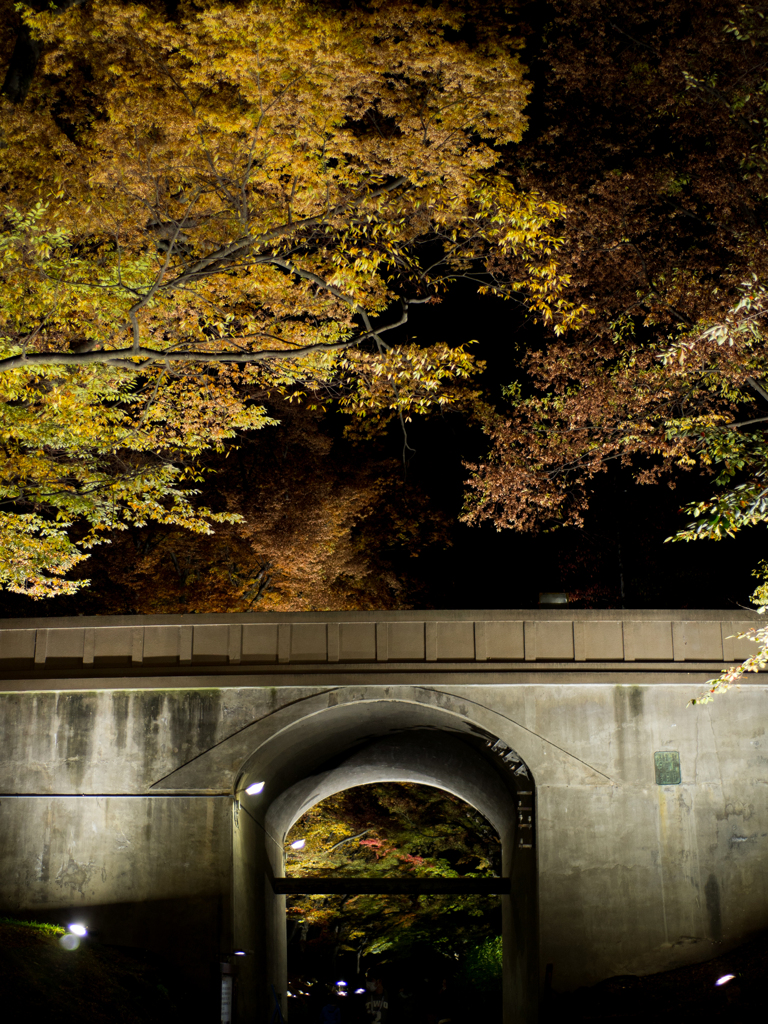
x=261, y=642
x=446, y=615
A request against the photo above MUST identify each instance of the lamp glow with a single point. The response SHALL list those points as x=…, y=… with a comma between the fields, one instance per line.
x=299, y=844
x=239, y=952
x=359, y=991
x=78, y=929
x=341, y=983
x=255, y=787
x=725, y=979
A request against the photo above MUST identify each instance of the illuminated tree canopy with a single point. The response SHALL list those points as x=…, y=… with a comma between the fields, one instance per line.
x=231, y=199
x=389, y=830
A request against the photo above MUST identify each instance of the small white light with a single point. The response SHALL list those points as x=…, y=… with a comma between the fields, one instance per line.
x=255, y=787
x=725, y=979
x=239, y=952
x=359, y=991
x=299, y=844
x=78, y=929
x=341, y=983
x=289, y=993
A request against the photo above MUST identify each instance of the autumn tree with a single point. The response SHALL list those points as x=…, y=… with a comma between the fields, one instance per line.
x=323, y=523
x=386, y=830
x=666, y=108
x=208, y=202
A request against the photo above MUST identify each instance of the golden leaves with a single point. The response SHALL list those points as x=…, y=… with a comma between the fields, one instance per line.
x=206, y=209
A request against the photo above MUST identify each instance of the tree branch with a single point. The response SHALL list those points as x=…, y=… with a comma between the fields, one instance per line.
x=134, y=359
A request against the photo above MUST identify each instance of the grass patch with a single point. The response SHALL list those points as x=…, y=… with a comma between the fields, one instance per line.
x=41, y=926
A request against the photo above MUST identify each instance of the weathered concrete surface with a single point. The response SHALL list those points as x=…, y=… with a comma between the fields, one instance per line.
x=631, y=876
x=144, y=873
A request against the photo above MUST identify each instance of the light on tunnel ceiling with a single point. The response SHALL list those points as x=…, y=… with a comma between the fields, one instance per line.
x=299, y=844
x=255, y=787
x=78, y=929
x=725, y=979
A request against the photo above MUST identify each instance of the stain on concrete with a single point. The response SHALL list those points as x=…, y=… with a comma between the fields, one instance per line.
x=75, y=876
x=736, y=809
x=712, y=897
x=146, y=713
x=121, y=710
x=636, y=696
x=45, y=863
x=75, y=713
x=194, y=719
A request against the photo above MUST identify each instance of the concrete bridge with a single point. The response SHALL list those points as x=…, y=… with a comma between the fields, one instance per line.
x=634, y=828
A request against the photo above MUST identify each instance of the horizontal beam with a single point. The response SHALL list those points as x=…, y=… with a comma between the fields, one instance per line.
x=391, y=886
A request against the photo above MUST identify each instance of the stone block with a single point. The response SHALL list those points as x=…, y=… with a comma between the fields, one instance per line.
x=738, y=650
x=554, y=641
x=308, y=642
x=504, y=641
x=598, y=641
x=112, y=645
x=161, y=644
x=648, y=641
x=697, y=641
x=17, y=644
x=455, y=641
x=406, y=641
x=63, y=646
x=210, y=644
x=357, y=641
x=259, y=643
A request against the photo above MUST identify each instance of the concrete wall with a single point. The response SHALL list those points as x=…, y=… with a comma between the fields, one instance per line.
x=118, y=771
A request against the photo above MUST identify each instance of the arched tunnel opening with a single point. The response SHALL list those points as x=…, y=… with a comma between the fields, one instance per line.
x=375, y=743
x=398, y=947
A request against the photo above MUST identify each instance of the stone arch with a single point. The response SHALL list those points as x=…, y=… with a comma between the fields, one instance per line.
x=304, y=758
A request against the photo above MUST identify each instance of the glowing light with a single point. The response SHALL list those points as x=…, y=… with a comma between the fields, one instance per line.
x=341, y=983
x=255, y=787
x=239, y=952
x=299, y=844
x=69, y=942
x=78, y=929
x=359, y=991
x=725, y=979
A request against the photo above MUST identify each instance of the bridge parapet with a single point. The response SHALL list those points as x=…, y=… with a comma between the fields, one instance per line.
x=268, y=642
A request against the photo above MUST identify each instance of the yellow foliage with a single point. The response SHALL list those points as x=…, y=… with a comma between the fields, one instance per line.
x=235, y=200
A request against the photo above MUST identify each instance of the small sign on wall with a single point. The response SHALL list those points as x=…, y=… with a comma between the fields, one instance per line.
x=667, y=764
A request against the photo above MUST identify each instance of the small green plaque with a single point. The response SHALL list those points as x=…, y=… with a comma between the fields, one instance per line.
x=667, y=764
